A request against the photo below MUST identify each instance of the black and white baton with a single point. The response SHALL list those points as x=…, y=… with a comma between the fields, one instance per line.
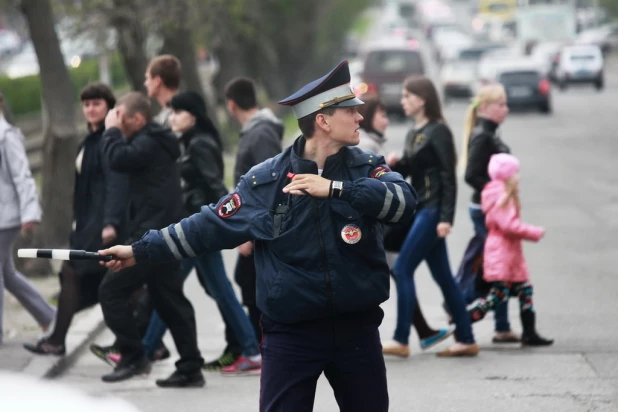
x=63, y=254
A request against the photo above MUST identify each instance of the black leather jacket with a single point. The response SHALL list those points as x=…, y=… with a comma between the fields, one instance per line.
x=484, y=142
x=201, y=170
x=429, y=159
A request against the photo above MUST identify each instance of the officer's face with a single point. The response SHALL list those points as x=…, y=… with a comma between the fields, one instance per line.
x=344, y=125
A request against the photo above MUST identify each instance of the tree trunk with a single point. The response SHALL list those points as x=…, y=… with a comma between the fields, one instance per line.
x=178, y=41
x=58, y=127
x=131, y=42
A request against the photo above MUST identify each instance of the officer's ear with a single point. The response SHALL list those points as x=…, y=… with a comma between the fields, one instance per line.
x=322, y=121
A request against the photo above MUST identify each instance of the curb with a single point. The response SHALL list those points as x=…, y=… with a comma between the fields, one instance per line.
x=86, y=325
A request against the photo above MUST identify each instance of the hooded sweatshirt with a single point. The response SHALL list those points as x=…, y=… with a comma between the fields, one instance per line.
x=149, y=158
x=503, y=259
x=260, y=139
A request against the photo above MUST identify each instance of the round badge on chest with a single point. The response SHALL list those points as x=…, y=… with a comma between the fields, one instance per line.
x=351, y=234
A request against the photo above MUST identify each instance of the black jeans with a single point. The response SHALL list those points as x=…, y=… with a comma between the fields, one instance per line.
x=165, y=287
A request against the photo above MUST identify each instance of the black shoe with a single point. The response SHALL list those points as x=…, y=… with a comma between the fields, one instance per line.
x=536, y=340
x=182, y=380
x=102, y=352
x=161, y=354
x=226, y=359
x=530, y=337
x=126, y=371
x=43, y=347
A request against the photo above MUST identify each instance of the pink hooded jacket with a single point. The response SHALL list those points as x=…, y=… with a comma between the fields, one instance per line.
x=503, y=259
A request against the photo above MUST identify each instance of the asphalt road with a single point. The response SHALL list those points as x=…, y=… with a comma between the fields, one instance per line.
x=569, y=185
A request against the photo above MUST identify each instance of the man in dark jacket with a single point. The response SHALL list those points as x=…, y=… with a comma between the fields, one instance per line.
x=316, y=213
x=260, y=139
x=148, y=154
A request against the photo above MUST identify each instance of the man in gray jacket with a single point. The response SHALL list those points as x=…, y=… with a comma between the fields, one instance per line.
x=260, y=139
x=19, y=210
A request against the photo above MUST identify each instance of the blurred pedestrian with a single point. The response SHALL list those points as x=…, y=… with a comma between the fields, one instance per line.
x=374, y=124
x=100, y=199
x=429, y=158
x=260, y=139
x=201, y=170
x=162, y=81
x=322, y=273
x=504, y=265
x=372, y=129
x=481, y=140
x=19, y=211
x=148, y=153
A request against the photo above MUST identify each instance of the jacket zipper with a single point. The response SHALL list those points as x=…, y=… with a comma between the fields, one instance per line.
x=329, y=286
x=427, y=187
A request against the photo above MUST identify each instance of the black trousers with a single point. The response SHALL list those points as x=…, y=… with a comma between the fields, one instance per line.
x=244, y=275
x=347, y=350
x=165, y=289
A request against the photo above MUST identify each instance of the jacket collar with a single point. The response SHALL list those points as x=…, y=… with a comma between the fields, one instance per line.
x=301, y=165
x=487, y=125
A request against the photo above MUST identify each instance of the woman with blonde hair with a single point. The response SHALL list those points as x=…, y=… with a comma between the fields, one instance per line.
x=480, y=141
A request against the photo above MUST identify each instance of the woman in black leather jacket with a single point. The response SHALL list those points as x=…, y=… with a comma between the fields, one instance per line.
x=480, y=141
x=429, y=159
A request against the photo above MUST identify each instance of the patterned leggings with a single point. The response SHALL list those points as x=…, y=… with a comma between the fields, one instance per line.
x=500, y=292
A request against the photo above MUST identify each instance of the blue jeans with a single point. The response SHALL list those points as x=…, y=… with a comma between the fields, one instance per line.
x=423, y=243
x=212, y=276
x=501, y=312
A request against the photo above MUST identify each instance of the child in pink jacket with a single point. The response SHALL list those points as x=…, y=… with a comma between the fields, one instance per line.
x=504, y=265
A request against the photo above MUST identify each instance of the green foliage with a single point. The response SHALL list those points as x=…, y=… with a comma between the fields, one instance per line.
x=24, y=94
x=611, y=6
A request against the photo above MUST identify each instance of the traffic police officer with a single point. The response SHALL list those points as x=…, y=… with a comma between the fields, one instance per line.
x=315, y=212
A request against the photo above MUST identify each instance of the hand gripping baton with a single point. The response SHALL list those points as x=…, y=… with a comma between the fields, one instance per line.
x=63, y=254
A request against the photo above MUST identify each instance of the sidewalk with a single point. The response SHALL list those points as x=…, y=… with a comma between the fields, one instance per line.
x=20, y=327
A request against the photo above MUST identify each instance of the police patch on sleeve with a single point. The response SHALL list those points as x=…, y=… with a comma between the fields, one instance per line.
x=229, y=206
x=379, y=171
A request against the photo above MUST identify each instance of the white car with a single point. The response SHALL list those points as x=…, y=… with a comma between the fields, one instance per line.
x=495, y=59
x=606, y=37
x=580, y=64
x=458, y=78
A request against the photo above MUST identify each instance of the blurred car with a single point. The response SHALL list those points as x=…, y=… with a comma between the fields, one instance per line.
x=546, y=55
x=580, y=64
x=494, y=59
x=449, y=43
x=385, y=67
x=356, y=69
x=526, y=86
x=457, y=78
x=433, y=14
x=606, y=37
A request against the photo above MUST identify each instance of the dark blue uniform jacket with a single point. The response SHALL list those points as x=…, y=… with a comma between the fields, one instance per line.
x=315, y=258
